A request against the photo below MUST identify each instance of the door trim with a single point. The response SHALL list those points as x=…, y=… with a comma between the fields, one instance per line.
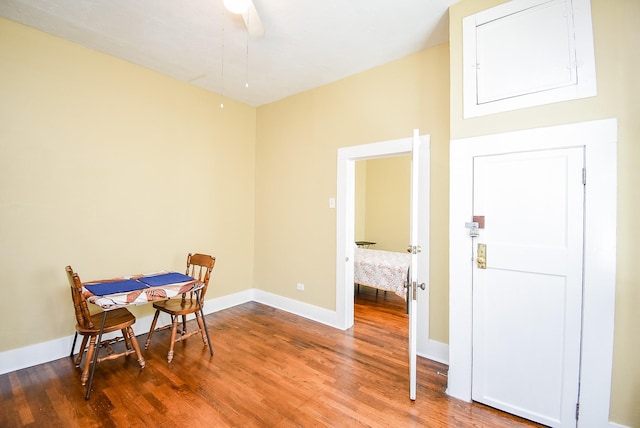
x=345, y=220
x=599, y=138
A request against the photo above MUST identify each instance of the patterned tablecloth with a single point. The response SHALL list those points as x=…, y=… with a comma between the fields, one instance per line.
x=385, y=270
x=140, y=296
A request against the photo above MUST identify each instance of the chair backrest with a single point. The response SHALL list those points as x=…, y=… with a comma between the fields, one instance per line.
x=199, y=266
x=83, y=316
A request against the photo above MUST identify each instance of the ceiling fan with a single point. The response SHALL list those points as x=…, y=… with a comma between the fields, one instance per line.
x=247, y=9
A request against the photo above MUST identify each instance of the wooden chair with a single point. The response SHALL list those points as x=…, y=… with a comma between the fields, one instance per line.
x=89, y=327
x=199, y=266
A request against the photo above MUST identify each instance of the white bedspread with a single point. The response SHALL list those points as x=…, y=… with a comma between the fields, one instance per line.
x=385, y=270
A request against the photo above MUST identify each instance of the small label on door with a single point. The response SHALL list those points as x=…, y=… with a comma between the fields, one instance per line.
x=480, y=220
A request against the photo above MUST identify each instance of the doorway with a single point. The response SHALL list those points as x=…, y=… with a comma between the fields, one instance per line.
x=345, y=227
x=383, y=198
x=598, y=140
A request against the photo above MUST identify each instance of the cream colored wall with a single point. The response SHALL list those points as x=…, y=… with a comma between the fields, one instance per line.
x=616, y=39
x=296, y=151
x=388, y=201
x=113, y=169
x=361, y=201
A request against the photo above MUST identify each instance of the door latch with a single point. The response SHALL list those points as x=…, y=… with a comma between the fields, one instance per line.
x=481, y=259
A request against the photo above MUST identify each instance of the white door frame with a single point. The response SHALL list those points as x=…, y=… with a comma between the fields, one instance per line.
x=345, y=225
x=600, y=141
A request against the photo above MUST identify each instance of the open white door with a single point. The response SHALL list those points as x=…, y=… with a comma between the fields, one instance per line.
x=419, y=270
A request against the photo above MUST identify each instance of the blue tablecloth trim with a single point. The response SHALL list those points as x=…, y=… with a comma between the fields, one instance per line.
x=113, y=287
x=164, y=279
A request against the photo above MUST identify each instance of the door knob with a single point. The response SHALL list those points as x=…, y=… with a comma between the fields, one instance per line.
x=415, y=288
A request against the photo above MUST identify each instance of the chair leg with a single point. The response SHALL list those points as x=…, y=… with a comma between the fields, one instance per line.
x=83, y=345
x=202, y=331
x=153, y=327
x=131, y=338
x=174, y=330
x=127, y=340
x=88, y=361
x=73, y=345
x=184, y=325
x=204, y=323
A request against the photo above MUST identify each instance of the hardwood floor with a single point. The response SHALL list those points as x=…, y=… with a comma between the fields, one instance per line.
x=270, y=369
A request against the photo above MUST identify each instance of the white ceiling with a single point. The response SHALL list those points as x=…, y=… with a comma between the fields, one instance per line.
x=307, y=43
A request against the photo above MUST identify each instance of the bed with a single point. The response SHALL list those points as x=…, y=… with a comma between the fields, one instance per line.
x=383, y=270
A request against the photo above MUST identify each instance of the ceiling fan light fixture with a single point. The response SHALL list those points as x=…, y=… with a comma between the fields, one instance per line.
x=237, y=6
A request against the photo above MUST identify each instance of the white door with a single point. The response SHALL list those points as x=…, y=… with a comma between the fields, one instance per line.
x=527, y=300
x=419, y=270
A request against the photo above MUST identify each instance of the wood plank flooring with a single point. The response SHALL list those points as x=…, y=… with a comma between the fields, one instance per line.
x=270, y=369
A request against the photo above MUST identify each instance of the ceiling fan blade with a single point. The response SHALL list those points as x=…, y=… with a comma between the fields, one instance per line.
x=252, y=21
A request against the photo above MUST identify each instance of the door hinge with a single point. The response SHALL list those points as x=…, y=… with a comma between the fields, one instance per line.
x=577, y=411
x=414, y=249
x=584, y=176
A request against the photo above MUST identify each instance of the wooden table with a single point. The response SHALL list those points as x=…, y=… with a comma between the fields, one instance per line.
x=141, y=289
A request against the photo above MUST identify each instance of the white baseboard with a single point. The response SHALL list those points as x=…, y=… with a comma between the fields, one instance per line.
x=45, y=352
x=305, y=310
x=615, y=425
x=436, y=351
x=33, y=355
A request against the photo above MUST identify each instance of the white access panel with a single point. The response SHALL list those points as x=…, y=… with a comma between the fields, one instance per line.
x=525, y=53
x=537, y=56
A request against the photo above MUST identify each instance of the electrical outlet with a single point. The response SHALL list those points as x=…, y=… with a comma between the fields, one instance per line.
x=300, y=287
